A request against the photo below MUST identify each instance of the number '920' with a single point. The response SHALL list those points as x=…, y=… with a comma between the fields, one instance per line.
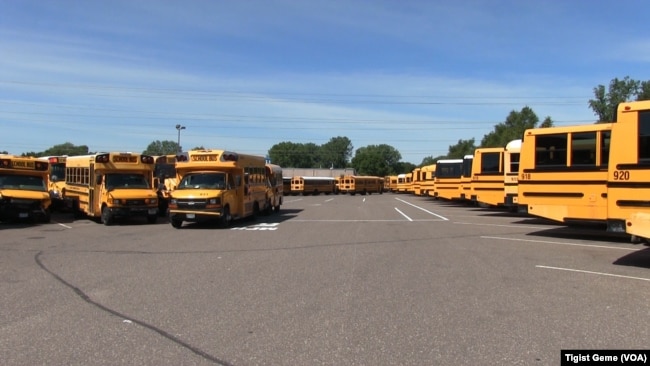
x=621, y=175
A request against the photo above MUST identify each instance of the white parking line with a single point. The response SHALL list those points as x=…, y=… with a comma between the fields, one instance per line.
x=423, y=209
x=331, y=199
x=561, y=243
x=518, y=226
x=402, y=213
x=595, y=273
x=65, y=226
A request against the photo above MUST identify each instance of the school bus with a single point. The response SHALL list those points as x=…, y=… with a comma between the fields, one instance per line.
x=511, y=173
x=416, y=182
x=362, y=184
x=218, y=185
x=111, y=186
x=404, y=182
x=447, y=179
x=275, y=189
x=488, y=176
x=428, y=176
x=313, y=185
x=286, y=185
x=390, y=182
x=563, y=173
x=164, y=180
x=24, y=188
x=465, y=187
x=56, y=182
x=628, y=175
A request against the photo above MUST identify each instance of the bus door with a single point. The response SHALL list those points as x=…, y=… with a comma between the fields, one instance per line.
x=92, y=190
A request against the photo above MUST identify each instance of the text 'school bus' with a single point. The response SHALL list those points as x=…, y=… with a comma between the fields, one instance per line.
x=275, y=189
x=447, y=179
x=428, y=179
x=111, y=186
x=563, y=172
x=362, y=184
x=164, y=180
x=24, y=189
x=313, y=185
x=218, y=185
x=511, y=173
x=488, y=177
x=56, y=183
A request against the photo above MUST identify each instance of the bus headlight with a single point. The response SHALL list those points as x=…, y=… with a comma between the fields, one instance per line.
x=173, y=201
x=153, y=201
x=214, y=201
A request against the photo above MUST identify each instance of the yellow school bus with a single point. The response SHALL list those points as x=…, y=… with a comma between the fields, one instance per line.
x=56, y=183
x=447, y=179
x=416, y=182
x=218, y=185
x=511, y=173
x=164, y=180
x=24, y=188
x=362, y=184
x=488, y=177
x=628, y=175
x=465, y=188
x=313, y=185
x=111, y=186
x=390, y=183
x=563, y=173
x=275, y=189
x=428, y=180
x=404, y=182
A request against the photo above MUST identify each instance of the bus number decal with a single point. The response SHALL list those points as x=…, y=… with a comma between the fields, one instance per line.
x=621, y=175
x=525, y=176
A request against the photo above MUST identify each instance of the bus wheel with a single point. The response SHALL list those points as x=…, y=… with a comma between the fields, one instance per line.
x=151, y=219
x=176, y=223
x=48, y=216
x=276, y=208
x=226, y=219
x=256, y=210
x=107, y=218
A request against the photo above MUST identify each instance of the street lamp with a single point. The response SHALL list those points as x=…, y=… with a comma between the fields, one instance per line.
x=179, y=128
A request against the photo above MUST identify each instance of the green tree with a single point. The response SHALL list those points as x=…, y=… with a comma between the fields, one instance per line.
x=378, y=160
x=66, y=148
x=513, y=128
x=644, y=91
x=336, y=153
x=605, y=102
x=161, y=148
x=462, y=148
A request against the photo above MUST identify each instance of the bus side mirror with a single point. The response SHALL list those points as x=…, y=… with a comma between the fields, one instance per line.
x=54, y=178
x=156, y=183
x=98, y=180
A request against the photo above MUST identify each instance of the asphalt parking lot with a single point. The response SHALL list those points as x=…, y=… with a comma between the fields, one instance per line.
x=331, y=280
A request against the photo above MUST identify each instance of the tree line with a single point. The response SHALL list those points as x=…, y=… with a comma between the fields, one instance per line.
x=383, y=159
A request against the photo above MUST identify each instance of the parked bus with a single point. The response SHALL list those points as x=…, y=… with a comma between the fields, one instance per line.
x=24, y=188
x=488, y=176
x=628, y=176
x=465, y=188
x=313, y=185
x=164, y=180
x=218, y=185
x=511, y=173
x=275, y=189
x=286, y=185
x=404, y=182
x=56, y=182
x=361, y=184
x=416, y=182
x=447, y=179
x=563, y=173
x=428, y=179
x=111, y=186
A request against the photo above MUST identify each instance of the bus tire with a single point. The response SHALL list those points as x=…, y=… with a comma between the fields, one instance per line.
x=176, y=223
x=276, y=208
x=226, y=218
x=107, y=218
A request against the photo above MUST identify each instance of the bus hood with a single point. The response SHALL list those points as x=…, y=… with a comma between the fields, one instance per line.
x=196, y=193
x=24, y=194
x=132, y=193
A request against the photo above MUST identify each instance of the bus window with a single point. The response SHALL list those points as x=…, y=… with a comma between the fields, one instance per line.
x=644, y=137
x=550, y=150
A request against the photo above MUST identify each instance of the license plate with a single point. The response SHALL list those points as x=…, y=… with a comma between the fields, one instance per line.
x=189, y=216
x=153, y=211
x=23, y=215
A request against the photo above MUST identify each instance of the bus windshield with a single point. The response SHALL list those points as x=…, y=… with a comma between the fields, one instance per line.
x=26, y=182
x=126, y=181
x=203, y=181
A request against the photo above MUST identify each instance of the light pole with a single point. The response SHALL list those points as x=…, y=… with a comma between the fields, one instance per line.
x=179, y=128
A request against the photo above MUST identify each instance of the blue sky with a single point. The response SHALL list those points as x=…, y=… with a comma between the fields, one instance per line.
x=246, y=75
